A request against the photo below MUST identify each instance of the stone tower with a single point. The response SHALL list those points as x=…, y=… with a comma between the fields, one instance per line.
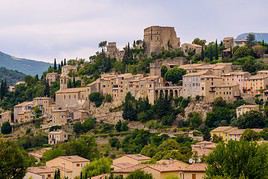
x=157, y=38
x=63, y=81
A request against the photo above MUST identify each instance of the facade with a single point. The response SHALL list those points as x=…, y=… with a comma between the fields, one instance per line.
x=157, y=38
x=69, y=166
x=228, y=42
x=52, y=77
x=227, y=92
x=241, y=110
x=229, y=133
x=191, y=48
x=114, y=52
x=129, y=161
x=5, y=117
x=194, y=171
x=60, y=117
x=239, y=78
x=23, y=112
x=256, y=84
x=44, y=103
x=55, y=137
x=73, y=98
x=42, y=172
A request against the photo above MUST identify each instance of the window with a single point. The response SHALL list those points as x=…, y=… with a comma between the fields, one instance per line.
x=193, y=176
x=78, y=165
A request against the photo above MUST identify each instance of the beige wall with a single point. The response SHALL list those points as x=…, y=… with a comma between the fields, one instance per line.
x=192, y=175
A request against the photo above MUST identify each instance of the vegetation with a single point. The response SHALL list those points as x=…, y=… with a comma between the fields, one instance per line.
x=238, y=159
x=96, y=98
x=174, y=75
x=14, y=160
x=86, y=126
x=139, y=175
x=97, y=167
x=251, y=119
x=6, y=128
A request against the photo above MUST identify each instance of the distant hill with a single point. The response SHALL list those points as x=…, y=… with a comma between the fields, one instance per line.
x=259, y=36
x=11, y=76
x=26, y=66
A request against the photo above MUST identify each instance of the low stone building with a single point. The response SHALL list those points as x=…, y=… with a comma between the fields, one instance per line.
x=69, y=166
x=203, y=148
x=44, y=103
x=191, y=48
x=56, y=137
x=42, y=172
x=5, y=117
x=241, y=110
x=23, y=112
x=60, y=117
x=228, y=42
x=114, y=52
x=52, y=77
x=237, y=77
x=256, y=84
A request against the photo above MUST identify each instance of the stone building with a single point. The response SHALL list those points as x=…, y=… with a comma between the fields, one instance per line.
x=60, y=117
x=241, y=110
x=41, y=172
x=157, y=38
x=23, y=112
x=238, y=77
x=228, y=42
x=114, y=52
x=69, y=166
x=73, y=98
x=44, y=103
x=256, y=84
x=56, y=137
x=191, y=48
x=5, y=117
x=52, y=77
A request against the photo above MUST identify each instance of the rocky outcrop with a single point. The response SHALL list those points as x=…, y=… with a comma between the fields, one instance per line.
x=105, y=114
x=199, y=107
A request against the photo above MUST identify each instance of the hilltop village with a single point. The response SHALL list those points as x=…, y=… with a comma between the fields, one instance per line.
x=159, y=107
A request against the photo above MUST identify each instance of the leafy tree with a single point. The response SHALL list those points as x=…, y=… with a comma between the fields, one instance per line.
x=194, y=119
x=86, y=126
x=198, y=41
x=236, y=159
x=250, y=135
x=129, y=108
x=149, y=150
x=14, y=160
x=252, y=119
x=121, y=126
x=54, y=153
x=33, y=141
x=251, y=65
x=96, y=98
x=250, y=39
x=128, y=55
x=6, y=128
x=174, y=75
x=264, y=134
x=259, y=50
x=164, y=70
x=97, y=167
x=114, y=142
x=242, y=51
x=139, y=175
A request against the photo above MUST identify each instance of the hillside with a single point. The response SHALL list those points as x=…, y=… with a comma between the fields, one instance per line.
x=11, y=76
x=26, y=66
x=259, y=36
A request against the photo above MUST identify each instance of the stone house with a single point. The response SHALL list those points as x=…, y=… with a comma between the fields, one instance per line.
x=188, y=48
x=60, y=117
x=5, y=117
x=228, y=42
x=42, y=172
x=52, y=77
x=237, y=77
x=256, y=84
x=69, y=166
x=44, y=103
x=23, y=112
x=241, y=110
x=55, y=137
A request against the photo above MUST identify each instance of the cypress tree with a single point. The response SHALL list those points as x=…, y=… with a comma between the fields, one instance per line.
x=216, y=50
x=64, y=63
x=74, y=83
x=210, y=53
x=61, y=63
x=55, y=64
x=202, y=53
x=59, y=68
x=47, y=89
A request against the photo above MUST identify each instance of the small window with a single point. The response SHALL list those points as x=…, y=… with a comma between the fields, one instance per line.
x=78, y=165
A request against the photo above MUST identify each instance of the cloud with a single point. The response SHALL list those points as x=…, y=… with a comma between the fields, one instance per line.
x=50, y=29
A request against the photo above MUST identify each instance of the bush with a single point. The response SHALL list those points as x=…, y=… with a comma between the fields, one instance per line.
x=6, y=128
x=96, y=98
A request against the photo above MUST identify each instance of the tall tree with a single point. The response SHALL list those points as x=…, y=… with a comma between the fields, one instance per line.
x=216, y=50
x=238, y=159
x=251, y=39
x=64, y=63
x=55, y=64
x=13, y=160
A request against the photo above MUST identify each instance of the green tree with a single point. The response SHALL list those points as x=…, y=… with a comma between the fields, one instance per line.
x=251, y=39
x=174, y=75
x=250, y=135
x=130, y=108
x=216, y=50
x=252, y=119
x=13, y=160
x=236, y=159
x=114, y=142
x=198, y=41
x=6, y=128
x=149, y=150
x=55, y=65
x=97, y=98
x=97, y=167
x=264, y=134
x=164, y=70
x=194, y=119
x=121, y=126
x=57, y=174
x=242, y=51
x=139, y=175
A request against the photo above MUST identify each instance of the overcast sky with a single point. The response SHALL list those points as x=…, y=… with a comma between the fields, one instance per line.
x=47, y=29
